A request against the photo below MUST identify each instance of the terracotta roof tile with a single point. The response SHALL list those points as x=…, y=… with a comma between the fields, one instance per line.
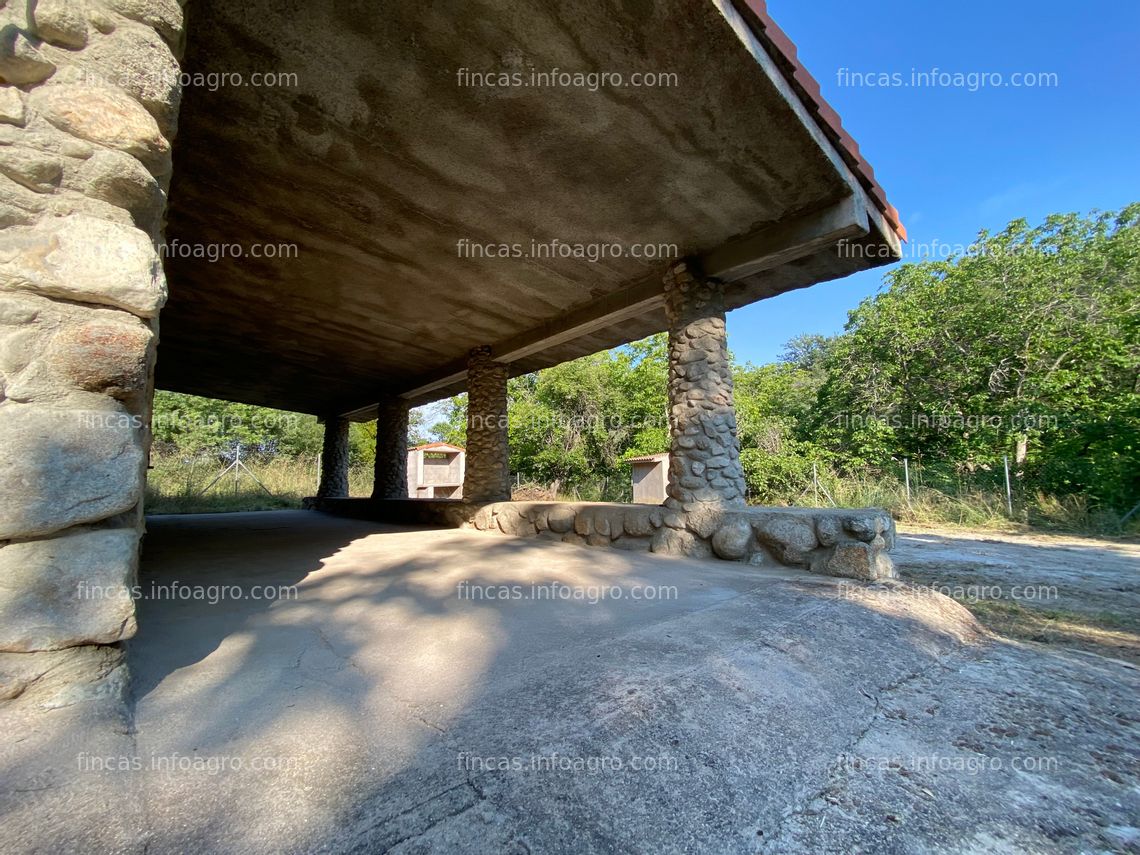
x=783, y=51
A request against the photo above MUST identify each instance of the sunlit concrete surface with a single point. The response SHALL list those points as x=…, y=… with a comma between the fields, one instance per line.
x=383, y=709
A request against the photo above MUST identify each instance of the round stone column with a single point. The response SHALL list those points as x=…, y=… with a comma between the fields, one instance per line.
x=334, y=460
x=487, y=478
x=391, y=450
x=704, y=462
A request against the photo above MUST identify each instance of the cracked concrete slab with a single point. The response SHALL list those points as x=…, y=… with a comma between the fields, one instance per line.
x=387, y=708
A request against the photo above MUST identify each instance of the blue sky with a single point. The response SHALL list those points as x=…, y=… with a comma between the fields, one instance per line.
x=954, y=161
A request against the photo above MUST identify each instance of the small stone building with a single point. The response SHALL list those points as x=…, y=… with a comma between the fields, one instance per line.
x=436, y=470
x=650, y=476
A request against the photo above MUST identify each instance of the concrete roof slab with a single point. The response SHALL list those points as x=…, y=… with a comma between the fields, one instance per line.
x=377, y=158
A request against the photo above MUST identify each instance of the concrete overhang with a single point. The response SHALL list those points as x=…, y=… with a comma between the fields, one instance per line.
x=375, y=159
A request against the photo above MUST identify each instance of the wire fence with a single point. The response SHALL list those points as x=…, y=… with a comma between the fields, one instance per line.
x=945, y=491
x=918, y=490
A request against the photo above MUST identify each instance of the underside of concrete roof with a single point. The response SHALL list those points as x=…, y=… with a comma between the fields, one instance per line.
x=377, y=158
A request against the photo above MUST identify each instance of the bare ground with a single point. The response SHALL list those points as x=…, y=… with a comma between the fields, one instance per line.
x=1081, y=592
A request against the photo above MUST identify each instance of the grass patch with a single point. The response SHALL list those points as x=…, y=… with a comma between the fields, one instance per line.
x=175, y=485
x=1105, y=633
x=967, y=508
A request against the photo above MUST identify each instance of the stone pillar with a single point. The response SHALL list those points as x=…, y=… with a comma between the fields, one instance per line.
x=704, y=464
x=88, y=107
x=391, y=450
x=334, y=460
x=488, y=477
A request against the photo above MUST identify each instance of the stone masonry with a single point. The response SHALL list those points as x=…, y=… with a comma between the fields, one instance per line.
x=845, y=542
x=704, y=465
x=334, y=459
x=487, y=478
x=89, y=97
x=391, y=450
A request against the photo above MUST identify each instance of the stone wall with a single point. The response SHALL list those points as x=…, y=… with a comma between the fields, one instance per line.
x=89, y=96
x=704, y=461
x=849, y=543
x=487, y=477
x=846, y=542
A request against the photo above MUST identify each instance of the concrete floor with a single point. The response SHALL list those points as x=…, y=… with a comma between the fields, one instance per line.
x=749, y=711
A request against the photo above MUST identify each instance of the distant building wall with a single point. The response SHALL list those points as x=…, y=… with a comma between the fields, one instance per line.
x=650, y=478
x=436, y=471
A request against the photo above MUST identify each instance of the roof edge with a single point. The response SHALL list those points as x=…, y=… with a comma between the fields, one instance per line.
x=783, y=52
x=433, y=446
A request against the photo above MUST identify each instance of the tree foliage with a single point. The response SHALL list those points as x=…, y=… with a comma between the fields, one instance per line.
x=189, y=425
x=1028, y=348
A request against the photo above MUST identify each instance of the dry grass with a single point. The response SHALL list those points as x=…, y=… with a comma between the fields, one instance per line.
x=532, y=492
x=971, y=509
x=1105, y=633
x=175, y=485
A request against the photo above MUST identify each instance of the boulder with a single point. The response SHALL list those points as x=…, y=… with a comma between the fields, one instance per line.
x=56, y=679
x=828, y=530
x=107, y=117
x=37, y=170
x=560, y=519
x=21, y=62
x=61, y=22
x=865, y=526
x=140, y=63
x=512, y=521
x=120, y=180
x=791, y=537
x=638, y=522
x=482, y=519
x=705, y=520
x=87, y=259
x=19, y=206
x=165, y=16
x=102, y=357
x=65, y=591
x=583, y=523
x=854, y=561
x=12, y=110
x=670, y=541
x=62, y=468
x=732, y=539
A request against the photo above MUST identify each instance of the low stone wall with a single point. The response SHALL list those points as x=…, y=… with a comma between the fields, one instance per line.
x=851, y=543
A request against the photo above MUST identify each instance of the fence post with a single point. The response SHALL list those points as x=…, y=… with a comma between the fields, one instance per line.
x=815, y=483
x=1008, y=491
x=906, y=477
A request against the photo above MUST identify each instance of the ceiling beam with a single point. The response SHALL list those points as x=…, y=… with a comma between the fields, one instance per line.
x=789, y=240
x=605, y=311
x=769, y=247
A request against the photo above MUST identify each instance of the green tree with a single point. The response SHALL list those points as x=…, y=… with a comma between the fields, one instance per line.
x=1027, y=346
x=189, y=424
